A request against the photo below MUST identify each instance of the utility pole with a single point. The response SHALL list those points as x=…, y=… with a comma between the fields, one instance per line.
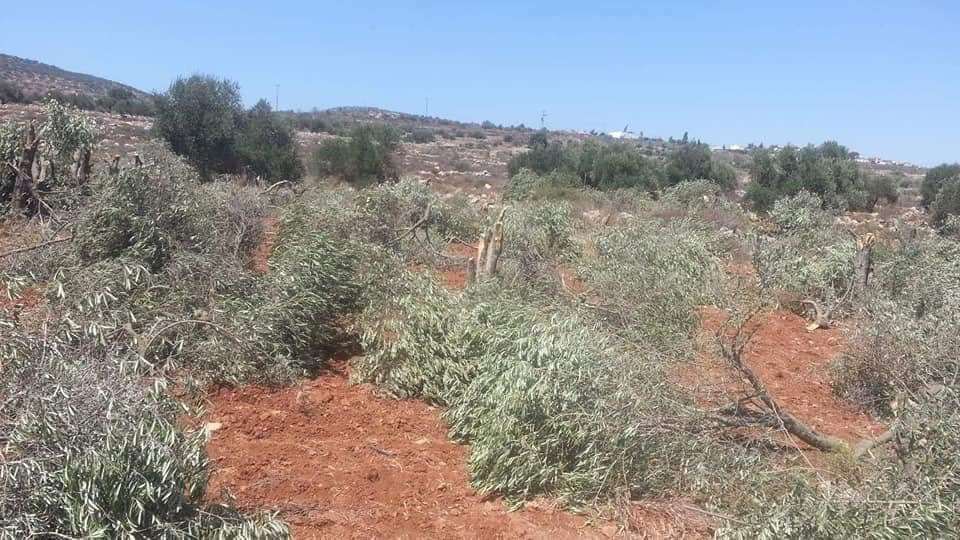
x=426, y=107
x=276, y=100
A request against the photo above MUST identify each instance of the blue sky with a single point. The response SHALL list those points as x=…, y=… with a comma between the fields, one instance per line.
x=881, y=77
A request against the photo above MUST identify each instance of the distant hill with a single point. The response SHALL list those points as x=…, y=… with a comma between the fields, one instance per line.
x=38, y=79
x=28, y=81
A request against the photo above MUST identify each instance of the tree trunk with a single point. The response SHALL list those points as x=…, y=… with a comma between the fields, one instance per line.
x=24, y=190
x=864, y=263
x=471, y=271
x=482, y=251
x=493, y=252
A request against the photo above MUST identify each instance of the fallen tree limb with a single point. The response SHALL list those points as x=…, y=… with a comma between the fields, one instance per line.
x=273, y=186
x=769, y=413
x=413, y=228
x=35, y=247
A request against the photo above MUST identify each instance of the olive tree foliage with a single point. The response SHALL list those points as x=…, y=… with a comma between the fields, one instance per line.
x=267, y=147
x=202, y=119
x=900, y=365
x=199, y=118
x=364, y=157
x=151, y=284
x=67, y=131
x=93, y=453
x=651, y=277
x=946, y=203
x=548, y=401
x=934, y=180
x=11, y=142
x=805, y=255
x=827, y=171
x=146, y=212
x=695, y=161
x=66, y=138
x=601, y=166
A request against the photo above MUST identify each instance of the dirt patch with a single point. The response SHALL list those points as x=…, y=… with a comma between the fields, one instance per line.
x=260, y=259
x=461, y=249
x=453, y=278
x=27, y=301
x=793, y=363
x=339, y=462
x=570, y=282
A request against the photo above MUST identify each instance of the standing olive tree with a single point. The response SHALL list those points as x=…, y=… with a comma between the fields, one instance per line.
x=267, y=147
x=202, y=119
x=934, y=181
x=199, y=117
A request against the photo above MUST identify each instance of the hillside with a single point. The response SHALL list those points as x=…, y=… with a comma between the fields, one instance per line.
x=35, y=78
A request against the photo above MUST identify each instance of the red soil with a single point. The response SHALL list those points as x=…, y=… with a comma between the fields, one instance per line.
x=453, y=278
x=259, y=261
x=461, y=249
x=794, y=365
x=339, y=462
x=29, y=298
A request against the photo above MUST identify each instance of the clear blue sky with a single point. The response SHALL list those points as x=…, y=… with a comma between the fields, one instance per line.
x=881, y=77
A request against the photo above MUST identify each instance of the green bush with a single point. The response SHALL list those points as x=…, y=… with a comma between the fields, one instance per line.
x=947, y=202
x=11, y=139
x=421, y=136
x=879, y=187
x=622, y=166
x=542, y=159
x=612, y=166
x=914, y=298
x=527, y=185
x=202, y=119
x=362, y=158
x=538, y=236
x=65, y=131
x=695, y=161
x=934, y=180
x=828, y=171
x=805, y=256
x=651, y=278
x=295, y=319
x=11, y=93
x=199, y=118
x=266, y=146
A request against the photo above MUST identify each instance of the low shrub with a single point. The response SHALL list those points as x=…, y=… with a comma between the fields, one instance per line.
x=421, y=136
x=934, y=180
x=362, y=158
x=537, y=238
x=528, y=185
x=266, y=146
x=915, y=297
x=695, y=161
